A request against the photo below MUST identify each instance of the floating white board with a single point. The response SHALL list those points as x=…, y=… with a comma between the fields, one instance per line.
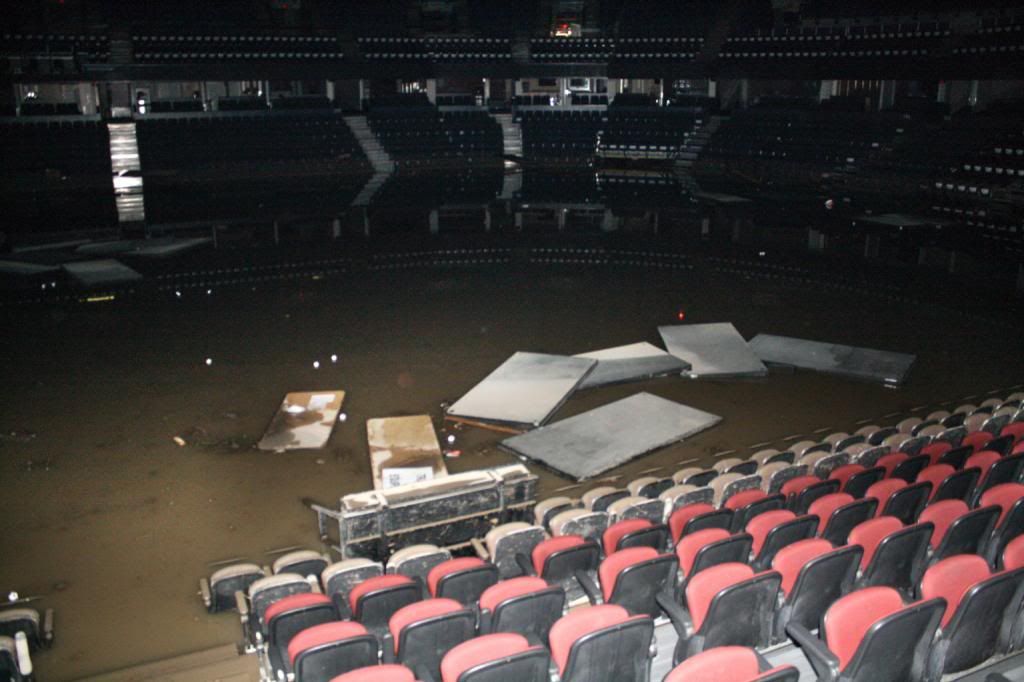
x=304, y=420
x=403, y=450
x=524, y=390
x=632, y=362
x=606, y=437
x=713, y=350
x=833, y=358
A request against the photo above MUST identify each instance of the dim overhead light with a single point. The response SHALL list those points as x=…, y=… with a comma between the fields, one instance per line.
x=316, y=364
x=334, y=358
x=209, y=361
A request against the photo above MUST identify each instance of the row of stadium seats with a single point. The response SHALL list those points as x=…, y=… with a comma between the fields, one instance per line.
x=85, y=47
x=436, y=49
x=217, y=48
x=423, y=134
x=850, y=525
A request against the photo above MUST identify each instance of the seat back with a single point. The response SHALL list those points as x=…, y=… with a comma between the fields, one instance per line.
x=634, y=533
x=967, y=533
x=558, y=559
x=734, y=548
x=907, y=503
x=695, y=517
x=587, y=524
x=958, y=485
x=633, y=577
x=526, y=605
x=463, y=579
x=743, y=514
x=266, y=591
x=857, y=485
x=977, y=621
x=495, y=658
x=322, y=652
x=341, y=577
x=899, y=558
x=804, y=497
x=781, y=536
x=843, y=519
x=226, y=581
x=590, y=645
x=288, y=616
x=876, y=638
x=909, y=468
x=1002, y=470
x=305, y=562
x=734, y=663
x=739, y=614
x=1011, y=526
x=504, y=542
x=954, y=457
x=424, y=632
x=375, y=600
x=814, y=577
x=416, y=561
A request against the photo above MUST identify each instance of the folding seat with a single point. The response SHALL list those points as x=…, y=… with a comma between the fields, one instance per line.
x=894, y=555
x=496, y=658
x=995, y=469
x=748, y=504
x=37, y=628
x=844, y=472
x=958, y=530
x=733, y=663
x=1009, y=497
x=548, y=508
x=557, y=560
x=869, y=635
x=977, y=440
x=416, y=561
x=936, y=474
x=774, y=530
x=821, y=462
x=910, y=468
x=218, y=592
x=1002, y=444
x=15, y=659
x=634, y=533
x=706, y=548
x=339, y=578
x=959, y=485
x=802, y=491
x=838, y=513
x=463, y=579
x=907, y=502
x=979, y=616
x=890, y=461
x=321, y=652
x=649, y=486
x=726, y=485
x=935, y=450
x=633, y=507
x=420, y=634
x=726, y=605
x=602, y=643
x=632, y=578
x=288, y=616
x=955, y=457
x=763, y=457
x=526, y=605
x=587, y=524
x=775, y=475
x=858, y=483
x=814, y=575
x=698, y=516
x=261, y=594
x=373, y=601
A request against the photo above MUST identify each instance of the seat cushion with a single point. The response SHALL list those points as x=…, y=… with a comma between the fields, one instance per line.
x=325, y=633
x=480, y=650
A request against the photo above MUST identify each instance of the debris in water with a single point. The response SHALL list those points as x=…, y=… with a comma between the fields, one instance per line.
x=180, y=441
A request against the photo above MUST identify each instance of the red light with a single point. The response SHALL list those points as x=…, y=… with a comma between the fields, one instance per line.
x=681, y=315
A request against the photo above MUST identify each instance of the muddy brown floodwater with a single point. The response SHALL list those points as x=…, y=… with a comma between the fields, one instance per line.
x=112, y=524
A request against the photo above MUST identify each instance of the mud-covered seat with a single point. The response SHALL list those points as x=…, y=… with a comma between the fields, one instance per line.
x=732, y=663
x=526, y=605
x=634, y=533
x=419, y=635
x=218, y=591
x=503, y=542
x=305, y=562
x=463, y=579
x=558, y=559
x=15, y=659
x=322, y=652
x=373, y=601
x=37, y=627
x=341, y=577
x=774, y=530
x=697, y=516
x=416, y=561
x=957, y=529
x=631, y=578
x=290, y=615
x=602, y=643
x=499, y=657
x=894, y=555
x=814, y=575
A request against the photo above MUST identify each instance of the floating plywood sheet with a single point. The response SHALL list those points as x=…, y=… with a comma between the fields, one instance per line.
x=633, y=362
x=304, y=420
x=832, y=358
x=153, y=248
x=13, y=267
x=594, y=442
x=403, y=450
x=524, y=390
x=95, y=273
x=713, y=350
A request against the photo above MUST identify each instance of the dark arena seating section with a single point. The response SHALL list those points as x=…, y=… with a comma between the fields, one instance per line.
x=56, y=173
x=249, y=164
x=220, y=48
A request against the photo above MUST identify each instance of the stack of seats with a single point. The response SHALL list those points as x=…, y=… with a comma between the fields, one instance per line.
x=220, y=48
x=237, y=166
x=57, y=174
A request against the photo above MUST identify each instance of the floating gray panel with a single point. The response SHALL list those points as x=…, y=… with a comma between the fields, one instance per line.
x=95, y=273
x=594, y=442
x=832, y=358
x=524, y=390
x=713, y=350
x=634, y=362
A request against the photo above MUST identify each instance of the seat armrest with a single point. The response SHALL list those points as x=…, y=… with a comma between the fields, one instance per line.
x=679, y=616
x=481, y=551
x=525, y=565
x=592, y=590
x=47, y=627
x=242, y=605
x=824, y=662
x=24, y=657
x=387, y=648
x=204, y=592
x=341, y=604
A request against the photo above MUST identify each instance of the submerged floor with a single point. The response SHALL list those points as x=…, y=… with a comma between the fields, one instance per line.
x=112, y=523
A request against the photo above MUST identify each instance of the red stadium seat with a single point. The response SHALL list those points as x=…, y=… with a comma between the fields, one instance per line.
x=733, y=663
x=488, y=657
x=602, y=642
x=321, y=652
x=463, y=579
